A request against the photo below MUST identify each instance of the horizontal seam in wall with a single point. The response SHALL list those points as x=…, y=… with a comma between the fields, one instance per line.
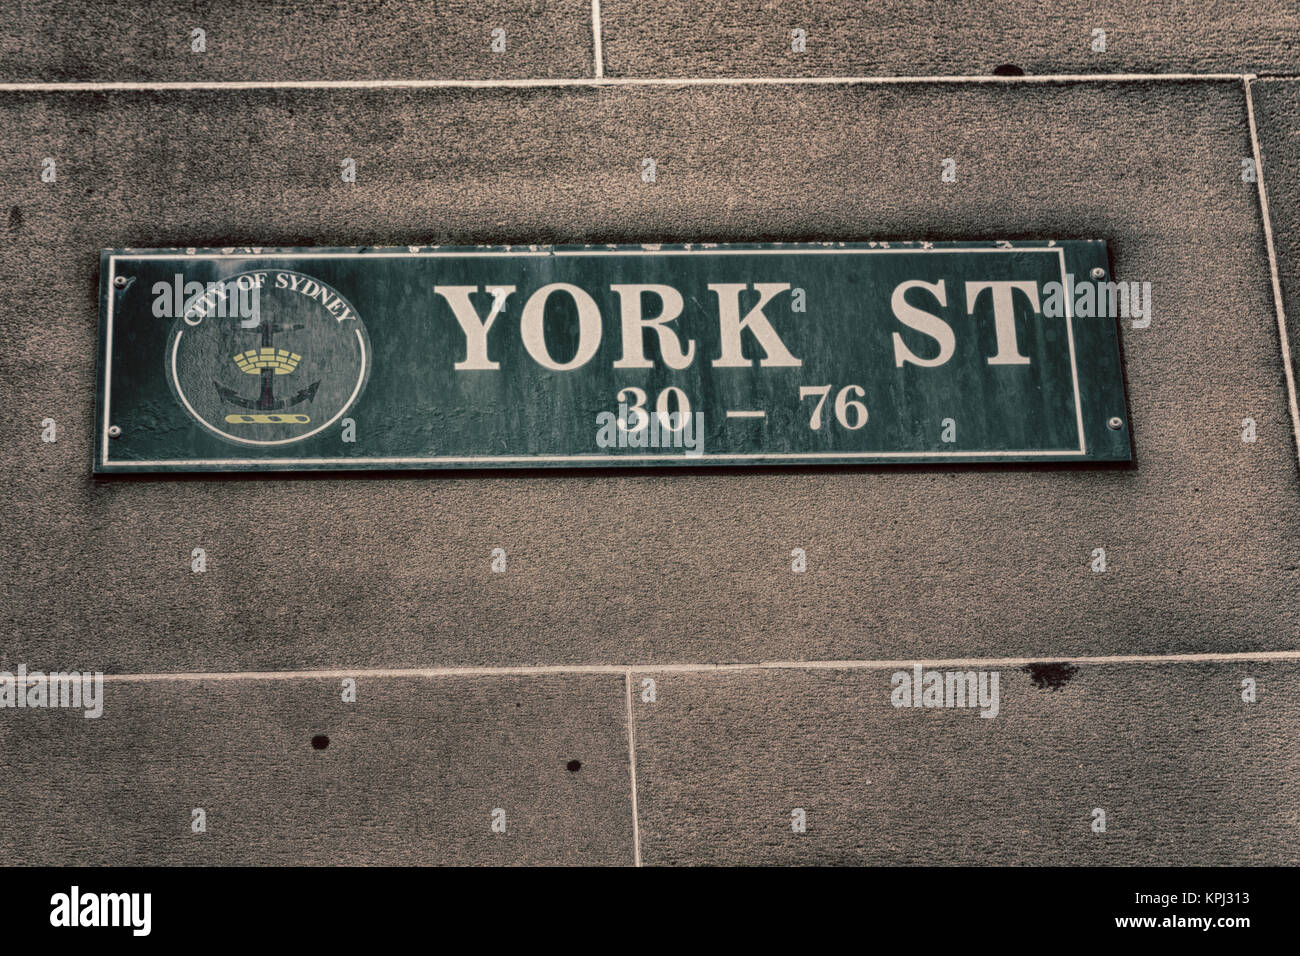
x=543, y=670
x=74, y=86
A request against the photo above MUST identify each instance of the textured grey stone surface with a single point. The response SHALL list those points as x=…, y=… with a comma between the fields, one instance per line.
x=693, y=566
x=1186, y=772
x=282, y=40
x=1277, y=119
x=958, y=37
x=411, y=775
x=666, y=567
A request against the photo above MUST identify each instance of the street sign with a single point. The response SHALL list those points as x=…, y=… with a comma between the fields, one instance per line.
x=568, y=356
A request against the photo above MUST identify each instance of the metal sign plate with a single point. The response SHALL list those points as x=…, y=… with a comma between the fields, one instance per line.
x=538, y=356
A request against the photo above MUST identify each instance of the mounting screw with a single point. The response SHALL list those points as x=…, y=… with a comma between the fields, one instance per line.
x=1116, y=423
x=119, y=281
x=114, y=431
x=1098, y=272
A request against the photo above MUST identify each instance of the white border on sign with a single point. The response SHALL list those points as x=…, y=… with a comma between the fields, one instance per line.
x=526, y=459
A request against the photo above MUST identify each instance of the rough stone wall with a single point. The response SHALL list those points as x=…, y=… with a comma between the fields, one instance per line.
x=526, y=690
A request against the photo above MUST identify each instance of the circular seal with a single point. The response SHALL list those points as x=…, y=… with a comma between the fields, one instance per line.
x=268, y=357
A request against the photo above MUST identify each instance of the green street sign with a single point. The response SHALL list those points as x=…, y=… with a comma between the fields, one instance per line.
x=570, y=356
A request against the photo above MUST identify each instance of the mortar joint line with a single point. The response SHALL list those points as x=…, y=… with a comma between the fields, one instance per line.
x=543, y=670
x=65, y=86
x=597, y=52
x=631, y=753
x=1278, y=304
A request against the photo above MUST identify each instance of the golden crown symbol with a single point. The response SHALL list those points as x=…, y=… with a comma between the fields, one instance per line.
x=268, y=362
x=281, y=361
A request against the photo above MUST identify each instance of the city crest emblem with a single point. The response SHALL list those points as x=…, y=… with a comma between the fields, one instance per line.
x=268, y=357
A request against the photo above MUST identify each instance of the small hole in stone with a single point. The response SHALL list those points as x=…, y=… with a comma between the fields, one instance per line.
x=320, y=742
x=574, y=766
x=1008, y=69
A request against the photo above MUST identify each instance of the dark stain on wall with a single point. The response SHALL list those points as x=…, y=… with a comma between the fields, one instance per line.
x=1050, y=676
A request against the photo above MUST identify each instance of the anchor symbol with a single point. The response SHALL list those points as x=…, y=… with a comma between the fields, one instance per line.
x=269, y=362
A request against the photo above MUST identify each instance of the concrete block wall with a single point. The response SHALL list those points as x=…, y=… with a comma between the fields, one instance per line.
x=527, y=691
